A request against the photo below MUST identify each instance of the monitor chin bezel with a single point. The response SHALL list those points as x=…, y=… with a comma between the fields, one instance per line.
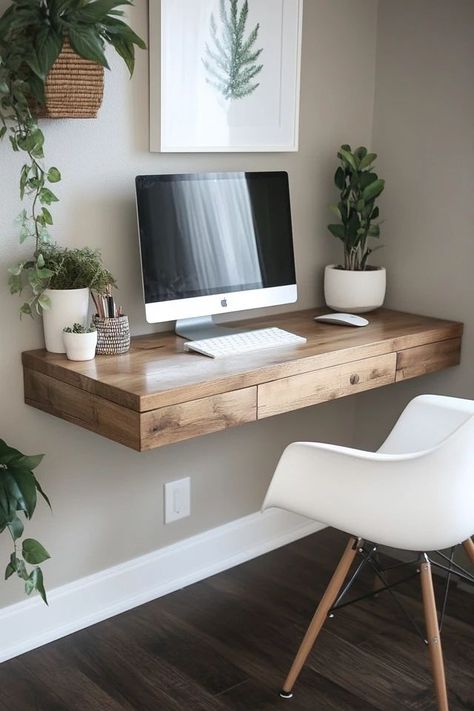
x=216, y=304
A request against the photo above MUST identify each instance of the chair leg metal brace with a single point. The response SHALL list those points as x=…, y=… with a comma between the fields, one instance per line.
x=432, y=629
x=320, y=615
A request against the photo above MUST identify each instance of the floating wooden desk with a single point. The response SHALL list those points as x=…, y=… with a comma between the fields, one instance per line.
x=157, y=394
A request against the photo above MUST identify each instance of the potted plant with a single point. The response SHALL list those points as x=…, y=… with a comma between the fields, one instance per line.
x=80, y=342
x=59, y=281
x=18, y=495
x=54, y=53
x=355, y=286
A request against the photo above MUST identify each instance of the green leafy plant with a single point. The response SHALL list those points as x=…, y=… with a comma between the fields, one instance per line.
x=56, y=267
x=360, y=186
x=231, y=63
x=78, y=328
x=18, y=495
x=32, y=34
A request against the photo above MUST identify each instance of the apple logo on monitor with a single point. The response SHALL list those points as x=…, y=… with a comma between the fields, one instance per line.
x=224, y=303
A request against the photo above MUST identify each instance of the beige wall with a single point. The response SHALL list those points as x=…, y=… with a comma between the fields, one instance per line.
x=108, y=500
x=424, y=134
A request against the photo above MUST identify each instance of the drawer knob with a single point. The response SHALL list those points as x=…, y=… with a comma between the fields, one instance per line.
x=354, y=379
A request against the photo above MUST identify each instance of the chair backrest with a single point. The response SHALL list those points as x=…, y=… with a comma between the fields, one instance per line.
x=425, y=422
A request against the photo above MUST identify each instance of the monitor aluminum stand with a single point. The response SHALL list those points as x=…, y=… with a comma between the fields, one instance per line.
x=201, y=327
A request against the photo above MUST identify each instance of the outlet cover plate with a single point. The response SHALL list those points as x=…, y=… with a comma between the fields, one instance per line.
x=177, y=499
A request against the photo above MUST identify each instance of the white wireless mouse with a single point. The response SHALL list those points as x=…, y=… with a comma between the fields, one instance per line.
x=342, y=319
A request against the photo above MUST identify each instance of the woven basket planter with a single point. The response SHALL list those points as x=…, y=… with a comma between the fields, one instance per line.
x=113, y=335
x=74, y=87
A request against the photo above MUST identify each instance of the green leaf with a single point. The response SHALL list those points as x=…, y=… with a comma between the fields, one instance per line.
x=375, y=213
x=367, y=160
x=48, y=44
x=20, y=487
x=373, y=190
x=29, y=585
x=25, y=309
x=125, y=50
x=340, y=179
x=16, y=528
x=366, y=178
x=35, y=582
x=48, y=220
x=28, y=461
x=96, y=11
x=21, y=569
x=337, y=231
x=374, y=231
x=54, y=176
x=16, y=269
x=46, y=197
x=360, y=152
x=38, y=486
x=44, y=274
x=349, y=158
x=44, y=301
x=88, y=44
x=9, y=570
x=33, y=552
x=335, y=209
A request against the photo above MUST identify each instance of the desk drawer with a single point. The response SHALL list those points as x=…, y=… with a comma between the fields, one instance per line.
x=198, y=417
x=429, y=358
x=312, y=388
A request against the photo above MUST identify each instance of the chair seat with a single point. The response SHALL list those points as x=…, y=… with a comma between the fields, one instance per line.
x=403, y=496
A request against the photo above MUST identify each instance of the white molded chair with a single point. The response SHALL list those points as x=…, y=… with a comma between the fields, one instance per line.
x=415, y=493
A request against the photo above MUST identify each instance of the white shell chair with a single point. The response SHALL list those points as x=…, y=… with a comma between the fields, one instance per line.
x=415, y=493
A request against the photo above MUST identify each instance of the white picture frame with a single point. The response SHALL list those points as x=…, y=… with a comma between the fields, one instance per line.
x=195, y=105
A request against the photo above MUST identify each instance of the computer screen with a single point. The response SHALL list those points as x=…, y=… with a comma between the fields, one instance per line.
x=204, y=234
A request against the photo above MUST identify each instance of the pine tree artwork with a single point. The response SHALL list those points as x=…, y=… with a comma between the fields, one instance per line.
x=231, y=57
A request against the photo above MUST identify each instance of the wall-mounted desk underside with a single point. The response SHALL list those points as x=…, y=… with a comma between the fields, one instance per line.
x=157, y=394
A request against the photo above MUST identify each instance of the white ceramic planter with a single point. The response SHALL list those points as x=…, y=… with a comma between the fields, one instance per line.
x=80, y=346
x=354, y=292
x=68, y=306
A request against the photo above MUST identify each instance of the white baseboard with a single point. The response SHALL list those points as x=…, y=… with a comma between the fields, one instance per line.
x=72, y=607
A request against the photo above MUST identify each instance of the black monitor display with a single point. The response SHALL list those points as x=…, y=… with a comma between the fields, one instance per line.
x=214, y=233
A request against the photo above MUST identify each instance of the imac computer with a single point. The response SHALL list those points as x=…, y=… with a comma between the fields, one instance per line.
x=213, y=243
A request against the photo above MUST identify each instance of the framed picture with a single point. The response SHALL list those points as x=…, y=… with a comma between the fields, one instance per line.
x=225, y=75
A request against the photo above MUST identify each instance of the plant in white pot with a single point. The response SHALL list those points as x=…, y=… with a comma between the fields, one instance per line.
x=80, y=342
x=60, y=281
x=355, y=286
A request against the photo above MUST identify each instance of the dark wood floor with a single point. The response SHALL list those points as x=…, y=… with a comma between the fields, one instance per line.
x=227, y=643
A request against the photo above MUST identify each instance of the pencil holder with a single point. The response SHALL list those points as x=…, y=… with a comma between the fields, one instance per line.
x=113, y=335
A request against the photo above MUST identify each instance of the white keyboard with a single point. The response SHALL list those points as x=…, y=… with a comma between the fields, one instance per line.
x=244, y=342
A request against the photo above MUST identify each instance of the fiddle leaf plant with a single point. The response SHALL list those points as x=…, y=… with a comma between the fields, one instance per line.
x=18, y=497
x=359, y=187
x=32, y=35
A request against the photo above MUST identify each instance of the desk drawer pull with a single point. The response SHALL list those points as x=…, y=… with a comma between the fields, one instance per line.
x=354, y=379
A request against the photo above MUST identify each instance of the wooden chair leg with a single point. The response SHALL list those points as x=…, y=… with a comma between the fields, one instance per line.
x=434, y=641
x=320, y=615
x=469, y=548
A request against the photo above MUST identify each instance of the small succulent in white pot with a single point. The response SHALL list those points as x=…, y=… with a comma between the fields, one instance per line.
x=80, y=342
x=355, y=286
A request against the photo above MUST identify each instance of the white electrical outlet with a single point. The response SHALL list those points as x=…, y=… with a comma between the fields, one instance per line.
x=177, y=499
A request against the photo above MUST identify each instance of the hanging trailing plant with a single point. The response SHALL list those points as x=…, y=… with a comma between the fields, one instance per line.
x=32, y=35
x=231, y=62
x=18, y=495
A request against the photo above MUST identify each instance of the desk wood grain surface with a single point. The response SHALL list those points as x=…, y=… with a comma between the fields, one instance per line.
x=157, y=394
